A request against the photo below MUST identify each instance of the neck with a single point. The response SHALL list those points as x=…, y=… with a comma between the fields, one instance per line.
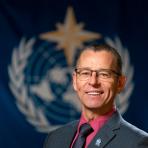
x=91, y=114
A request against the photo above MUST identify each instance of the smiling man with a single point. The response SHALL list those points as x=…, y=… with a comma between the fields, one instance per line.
x=97, y=80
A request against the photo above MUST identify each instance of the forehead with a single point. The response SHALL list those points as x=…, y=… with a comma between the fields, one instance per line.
x=96, y=59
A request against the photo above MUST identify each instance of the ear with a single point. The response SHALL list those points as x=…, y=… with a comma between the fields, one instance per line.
x=121, y=83
x=74, y=81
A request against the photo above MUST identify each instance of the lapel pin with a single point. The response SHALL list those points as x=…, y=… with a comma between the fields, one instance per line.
x=98, y=142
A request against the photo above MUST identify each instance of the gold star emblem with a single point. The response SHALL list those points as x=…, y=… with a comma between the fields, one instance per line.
x=70, y=35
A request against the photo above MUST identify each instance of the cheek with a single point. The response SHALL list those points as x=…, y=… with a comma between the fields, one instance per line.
x=76, y=85
x=79, y=87
x=111, y=88
x=114, y=89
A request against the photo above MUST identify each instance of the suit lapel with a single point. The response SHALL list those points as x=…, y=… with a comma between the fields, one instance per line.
x=69, y=133
x=102, y=138
x=107, y=132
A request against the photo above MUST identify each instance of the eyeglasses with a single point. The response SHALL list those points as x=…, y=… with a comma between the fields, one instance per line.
x=104, y=74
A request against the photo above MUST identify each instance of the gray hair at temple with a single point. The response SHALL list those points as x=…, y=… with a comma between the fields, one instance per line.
x=103, y=47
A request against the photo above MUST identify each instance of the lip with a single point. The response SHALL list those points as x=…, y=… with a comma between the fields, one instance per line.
x=94, y=92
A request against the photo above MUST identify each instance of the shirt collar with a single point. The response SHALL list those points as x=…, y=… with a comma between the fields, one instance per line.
x=97, y=123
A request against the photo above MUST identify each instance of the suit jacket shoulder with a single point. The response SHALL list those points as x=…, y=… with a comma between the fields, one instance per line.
x=135, y=136
x=127, y=127
x=119, y=133
x=62, y=136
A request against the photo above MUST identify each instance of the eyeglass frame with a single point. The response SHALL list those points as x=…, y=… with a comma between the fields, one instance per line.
x=97, y=72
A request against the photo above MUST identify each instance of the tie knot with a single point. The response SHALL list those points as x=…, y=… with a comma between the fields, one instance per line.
x=85, y=129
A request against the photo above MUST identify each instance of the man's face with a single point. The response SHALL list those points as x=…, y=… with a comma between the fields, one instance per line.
x=96, y=93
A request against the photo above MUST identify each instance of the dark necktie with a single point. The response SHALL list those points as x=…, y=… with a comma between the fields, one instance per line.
x=85, y=130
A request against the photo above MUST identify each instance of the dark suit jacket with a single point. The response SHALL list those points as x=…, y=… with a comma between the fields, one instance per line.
x=116, y=133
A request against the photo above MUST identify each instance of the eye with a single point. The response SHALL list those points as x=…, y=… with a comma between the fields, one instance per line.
x=85, y=73
x=104, y=75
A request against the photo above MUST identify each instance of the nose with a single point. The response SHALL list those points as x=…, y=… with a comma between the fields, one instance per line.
x=93, y=79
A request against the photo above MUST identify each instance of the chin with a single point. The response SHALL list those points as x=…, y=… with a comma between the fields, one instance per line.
x=93, y=106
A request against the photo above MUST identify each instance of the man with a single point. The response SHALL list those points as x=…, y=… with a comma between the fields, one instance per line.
x=97, y=80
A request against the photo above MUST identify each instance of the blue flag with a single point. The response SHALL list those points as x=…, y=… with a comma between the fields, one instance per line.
x=39, y=42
